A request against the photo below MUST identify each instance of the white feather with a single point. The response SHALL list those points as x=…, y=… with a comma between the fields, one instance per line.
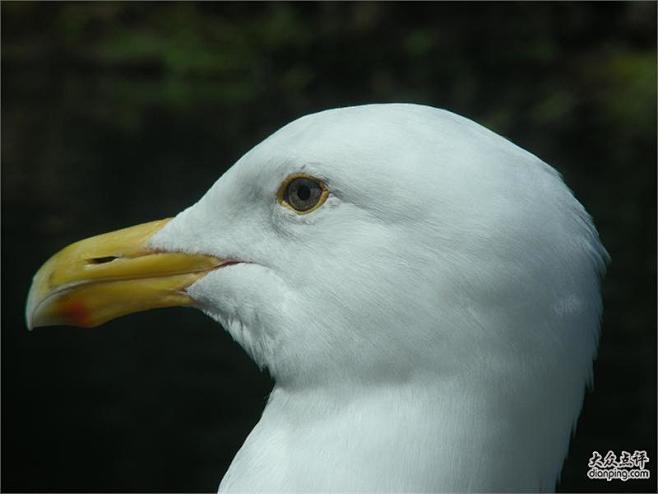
x=430, y=328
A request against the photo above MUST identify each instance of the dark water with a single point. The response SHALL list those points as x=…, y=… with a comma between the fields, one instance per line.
x=116, y=114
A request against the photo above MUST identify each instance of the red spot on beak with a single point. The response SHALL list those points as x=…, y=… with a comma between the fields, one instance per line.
x=75, y=312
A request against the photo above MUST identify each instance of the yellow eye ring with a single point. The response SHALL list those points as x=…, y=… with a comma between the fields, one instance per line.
x=302, y=193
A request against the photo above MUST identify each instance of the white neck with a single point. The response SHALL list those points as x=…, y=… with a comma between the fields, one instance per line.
x=423, y=435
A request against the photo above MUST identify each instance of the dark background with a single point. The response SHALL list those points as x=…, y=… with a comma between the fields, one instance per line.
x=118, y=113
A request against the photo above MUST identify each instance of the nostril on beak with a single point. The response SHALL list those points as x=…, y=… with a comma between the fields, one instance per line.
x=101, y=260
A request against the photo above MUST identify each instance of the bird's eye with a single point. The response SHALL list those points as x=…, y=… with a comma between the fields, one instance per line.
x=302, y=193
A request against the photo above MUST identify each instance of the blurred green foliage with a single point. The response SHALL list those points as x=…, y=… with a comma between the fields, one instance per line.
x=188, y=55
x=105, y=97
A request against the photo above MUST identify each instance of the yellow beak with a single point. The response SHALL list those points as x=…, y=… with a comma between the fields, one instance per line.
x=101, y=278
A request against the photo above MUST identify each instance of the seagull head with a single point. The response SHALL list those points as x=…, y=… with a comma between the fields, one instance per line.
x=371, y=245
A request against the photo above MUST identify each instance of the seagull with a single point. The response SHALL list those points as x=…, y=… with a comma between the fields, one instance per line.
x=424, y=293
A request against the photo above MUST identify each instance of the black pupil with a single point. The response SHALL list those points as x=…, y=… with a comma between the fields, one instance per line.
x=304, y=192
